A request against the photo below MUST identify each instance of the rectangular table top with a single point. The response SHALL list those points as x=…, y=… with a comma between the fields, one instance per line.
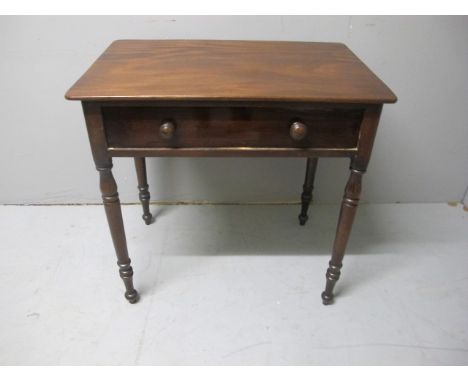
x=212, y=70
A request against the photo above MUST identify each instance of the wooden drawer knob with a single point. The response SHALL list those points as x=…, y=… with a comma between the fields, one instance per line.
x=167, y=130
x=298, y=131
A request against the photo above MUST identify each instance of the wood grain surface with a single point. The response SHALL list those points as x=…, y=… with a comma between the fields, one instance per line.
x=209, y=127
x=210, y=70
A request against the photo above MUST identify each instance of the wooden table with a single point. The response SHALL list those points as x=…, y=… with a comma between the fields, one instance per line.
x=146, y=98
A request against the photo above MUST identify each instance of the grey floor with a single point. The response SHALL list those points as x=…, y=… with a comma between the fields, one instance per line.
x=237, y=285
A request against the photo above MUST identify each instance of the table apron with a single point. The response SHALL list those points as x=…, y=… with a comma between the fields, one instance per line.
x=230, y=152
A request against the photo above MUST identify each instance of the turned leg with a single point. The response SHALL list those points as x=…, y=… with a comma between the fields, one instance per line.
x=110, y=196
x=140, y=165
x=343, y=230
x=306, y=196
x=111, y=201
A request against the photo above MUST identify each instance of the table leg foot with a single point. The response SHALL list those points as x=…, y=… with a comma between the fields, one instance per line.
x=126, y=273
x=332, y=275
x=148, y=218
x=303, y=219
x=327, y=299
x=132, y=297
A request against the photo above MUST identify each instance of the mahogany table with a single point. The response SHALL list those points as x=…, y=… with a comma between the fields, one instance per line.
x=150, y=98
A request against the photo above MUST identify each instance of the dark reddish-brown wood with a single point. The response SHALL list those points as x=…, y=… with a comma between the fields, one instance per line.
x=351, y=199
x=230, y=98
x=306, y=196
x=144, y=195
x=345, y=222
x=214, y=127
x=230, y=70
x=110, y=196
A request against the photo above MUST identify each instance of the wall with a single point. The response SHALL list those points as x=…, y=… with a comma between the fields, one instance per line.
x=421, y=151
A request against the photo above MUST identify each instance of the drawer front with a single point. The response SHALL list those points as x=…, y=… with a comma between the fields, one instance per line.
x=218, y=127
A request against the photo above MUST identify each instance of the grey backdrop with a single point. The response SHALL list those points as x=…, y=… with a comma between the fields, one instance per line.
x=421, y=151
